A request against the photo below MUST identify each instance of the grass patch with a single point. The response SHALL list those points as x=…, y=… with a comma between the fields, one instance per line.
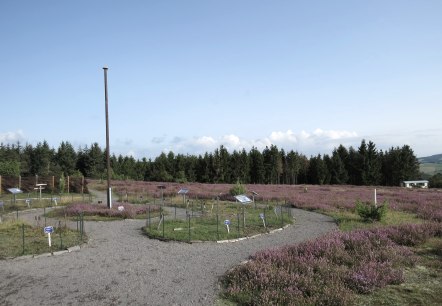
x=348, y=220
x=35, y=241
x=29, y=201
x=206, y=226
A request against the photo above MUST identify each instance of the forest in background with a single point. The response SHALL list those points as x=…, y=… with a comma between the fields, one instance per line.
x=365, y=165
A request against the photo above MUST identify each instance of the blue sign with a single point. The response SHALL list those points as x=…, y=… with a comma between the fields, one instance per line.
x=261, y=215
x=226, y=222
x=48, y=229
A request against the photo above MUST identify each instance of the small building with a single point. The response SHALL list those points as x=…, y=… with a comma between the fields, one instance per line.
x=415, y=184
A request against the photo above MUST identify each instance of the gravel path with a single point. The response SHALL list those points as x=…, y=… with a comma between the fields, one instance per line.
x=120, y=266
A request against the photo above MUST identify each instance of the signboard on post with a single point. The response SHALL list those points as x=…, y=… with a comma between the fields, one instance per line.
x=49, y=230
x=243, y=199
x=227, y=223
x=262, y=217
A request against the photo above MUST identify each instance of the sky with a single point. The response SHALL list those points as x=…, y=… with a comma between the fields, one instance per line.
x=189, y=76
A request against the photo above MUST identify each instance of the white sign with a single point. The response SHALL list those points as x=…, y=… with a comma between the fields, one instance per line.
x=227, y=222
x=243, y=199
x=48, y=230
x=261, y=215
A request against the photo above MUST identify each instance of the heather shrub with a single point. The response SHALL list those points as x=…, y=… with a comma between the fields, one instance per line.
x=370, y=212
x=373, y=274
x=130, y=211
x=328, y=270
x=411, y=234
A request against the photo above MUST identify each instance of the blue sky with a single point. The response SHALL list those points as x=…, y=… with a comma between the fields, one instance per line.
x=188, y=76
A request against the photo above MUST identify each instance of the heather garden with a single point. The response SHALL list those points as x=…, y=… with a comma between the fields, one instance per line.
x=385, y=254
x=388, y=253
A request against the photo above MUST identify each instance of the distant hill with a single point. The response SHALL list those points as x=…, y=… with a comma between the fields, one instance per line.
x=436, y=159
x=431, y=165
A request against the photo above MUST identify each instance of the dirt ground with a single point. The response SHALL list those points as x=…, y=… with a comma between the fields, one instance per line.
x=121, y=266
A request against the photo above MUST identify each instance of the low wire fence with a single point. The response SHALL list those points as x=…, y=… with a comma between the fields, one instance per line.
x=204, y=223
x=19, y=235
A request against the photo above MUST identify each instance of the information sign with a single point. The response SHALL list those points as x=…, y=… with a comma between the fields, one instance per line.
x=227, y=222
x=49, y=229
x=243, y=199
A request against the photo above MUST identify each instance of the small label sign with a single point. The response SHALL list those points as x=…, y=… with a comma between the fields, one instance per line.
x=261, y=215
x=48, y=229
x=227, y=222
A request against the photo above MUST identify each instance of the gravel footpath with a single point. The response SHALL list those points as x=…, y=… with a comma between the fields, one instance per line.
x=120, y=266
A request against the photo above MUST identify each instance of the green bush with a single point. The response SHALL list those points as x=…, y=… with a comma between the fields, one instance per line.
x=370, y=212
x=238, y=189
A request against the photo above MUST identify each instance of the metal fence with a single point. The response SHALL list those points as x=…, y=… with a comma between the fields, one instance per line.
x=198, y=222
x=21, y=237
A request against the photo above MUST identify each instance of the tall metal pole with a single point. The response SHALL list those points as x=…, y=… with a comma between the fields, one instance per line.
x=109, y=190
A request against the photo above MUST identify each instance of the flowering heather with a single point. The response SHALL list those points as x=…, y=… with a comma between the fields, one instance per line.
x=328, y=270
x=130, y=211
x=425, y=203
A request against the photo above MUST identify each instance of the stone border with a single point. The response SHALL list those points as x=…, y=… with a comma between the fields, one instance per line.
x=75, y=248
x=254, y=236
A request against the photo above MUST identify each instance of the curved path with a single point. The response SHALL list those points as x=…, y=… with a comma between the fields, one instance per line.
x=120, y=266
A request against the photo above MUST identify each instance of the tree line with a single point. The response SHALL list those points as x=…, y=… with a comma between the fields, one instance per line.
x=365, y=165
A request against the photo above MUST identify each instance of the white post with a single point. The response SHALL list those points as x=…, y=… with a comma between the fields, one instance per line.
x=375, y=198
x=228, y=229
x=49, y=239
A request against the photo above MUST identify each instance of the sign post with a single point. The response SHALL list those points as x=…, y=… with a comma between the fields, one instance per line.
x=48, y=230
x=261, y=215
x=227, y=222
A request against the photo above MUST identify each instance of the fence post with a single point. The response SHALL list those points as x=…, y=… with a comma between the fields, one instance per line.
x=23, y=237
x=264, y=212
x=149, y=217
x=188, y=216
x=81, y=227
x=237, y=217
x=163, y=222
x=61, y=240
x=282, y=217
x=217, y=226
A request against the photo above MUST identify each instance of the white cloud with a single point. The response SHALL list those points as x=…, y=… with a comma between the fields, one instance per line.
x=205, y=141
x=288, y=137
x=335, y=135
x=11, y=137
x=318, y=141
x=231, y=142
x=131, y=153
